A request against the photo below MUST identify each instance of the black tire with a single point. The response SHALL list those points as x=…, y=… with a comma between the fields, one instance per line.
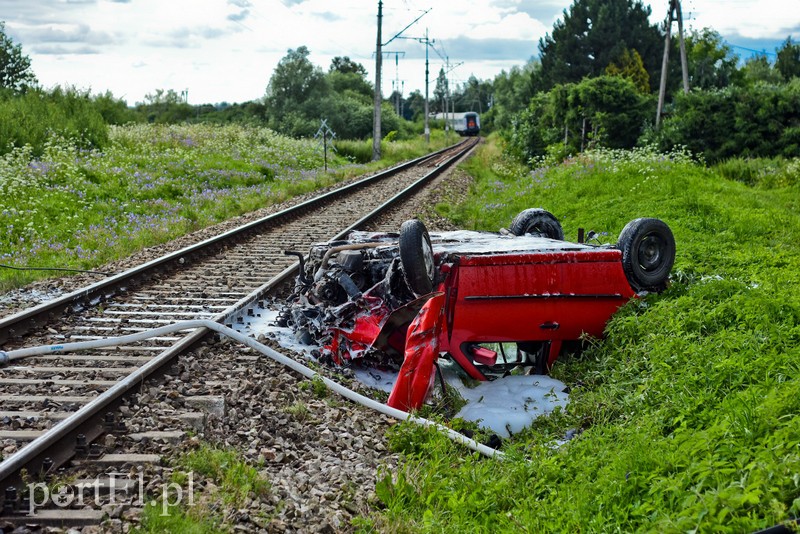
x=537, y=222
x=416, y=257
x=648, y=252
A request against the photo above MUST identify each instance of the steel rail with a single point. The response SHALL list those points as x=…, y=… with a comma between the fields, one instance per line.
x=21, y=322
x=57, y=444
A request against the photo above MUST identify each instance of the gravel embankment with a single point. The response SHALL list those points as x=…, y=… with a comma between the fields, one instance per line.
x=321, y=454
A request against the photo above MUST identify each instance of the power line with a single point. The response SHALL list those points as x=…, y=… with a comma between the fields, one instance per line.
x=760, y=52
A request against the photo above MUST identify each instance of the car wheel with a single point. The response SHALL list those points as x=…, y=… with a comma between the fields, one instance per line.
x=648, y=252
x=416, y=257
x=537, y=222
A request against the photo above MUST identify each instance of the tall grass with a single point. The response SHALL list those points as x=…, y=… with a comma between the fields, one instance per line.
x=75, y=207
x=687, y=413
x=34, y=118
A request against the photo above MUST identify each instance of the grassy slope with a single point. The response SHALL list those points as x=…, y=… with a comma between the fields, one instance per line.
x=689, y=410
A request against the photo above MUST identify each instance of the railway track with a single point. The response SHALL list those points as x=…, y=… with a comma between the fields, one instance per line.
x=59, y=407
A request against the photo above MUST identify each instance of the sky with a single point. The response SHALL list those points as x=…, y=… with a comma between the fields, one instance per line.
x=226, y=50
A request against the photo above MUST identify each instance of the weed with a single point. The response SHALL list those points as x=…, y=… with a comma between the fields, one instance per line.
x=685, y=416
x=299, y=410
x=318, y=387
x=65, y=204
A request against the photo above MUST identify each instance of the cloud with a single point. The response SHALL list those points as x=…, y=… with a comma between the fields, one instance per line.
x=240, y=3
x=546, y=11
x=238, y=17
x=328, y=16
x=189, y=37
x=63, y=33
x=60, y=50
x=468, y=49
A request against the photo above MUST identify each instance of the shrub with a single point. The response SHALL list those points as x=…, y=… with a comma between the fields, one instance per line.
x=36, y=116
x=749, y=122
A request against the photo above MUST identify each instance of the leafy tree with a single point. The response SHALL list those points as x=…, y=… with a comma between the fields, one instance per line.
x=711, y=62
x=474, y=95
x=511, y=92
x=758, y=69
x=345, y=65
x=758, y=121
x=594, y=34
x=165, y=107
x=113, y=110
x=415, y=105
x=347, y=77
x=300, y=95
x=33, y=117
x=15, y=68
x=441, y=91
x=788, y=61
x=606, y=111
x=631, y=67
x=294, y=83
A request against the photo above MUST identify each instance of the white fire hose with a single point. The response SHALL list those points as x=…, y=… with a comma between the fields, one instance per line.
x=13, y=355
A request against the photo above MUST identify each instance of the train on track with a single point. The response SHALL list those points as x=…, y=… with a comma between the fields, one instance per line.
x=465, y=124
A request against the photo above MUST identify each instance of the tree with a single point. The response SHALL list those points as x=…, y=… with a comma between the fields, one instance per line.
x=415, y=105
x=606, y=111
x=345, y=65
x=15, y=68
x=595, y=33
x=165, y=107
x=348, y=77
x=758, y=69
x=294, y=81
x=758, y=121
x=511, y=92
x=788, y=62
x=473, y=95
x=712, y=63
x=440, y=92
x=631, y=67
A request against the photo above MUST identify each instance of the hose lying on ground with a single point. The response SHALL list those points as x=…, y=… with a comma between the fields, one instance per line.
x=13, y=355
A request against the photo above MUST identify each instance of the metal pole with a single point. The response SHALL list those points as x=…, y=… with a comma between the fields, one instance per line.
x=325, y=147
x=664, y=64
x=427, y=72
x=684, y=64
x=376, y=123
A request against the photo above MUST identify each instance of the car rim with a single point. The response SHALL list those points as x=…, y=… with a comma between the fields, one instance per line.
x=427, y=254
x=650, y=252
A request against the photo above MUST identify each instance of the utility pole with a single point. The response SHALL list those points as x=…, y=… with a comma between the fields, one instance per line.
x=428, y=43
x=674, y=14
x=396, y=81
x=376, y=121
x=448, y=69
x=427, y=76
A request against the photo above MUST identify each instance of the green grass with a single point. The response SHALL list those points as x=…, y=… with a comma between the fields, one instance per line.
x=71, y=207
x=688, y=409
x=235, y=479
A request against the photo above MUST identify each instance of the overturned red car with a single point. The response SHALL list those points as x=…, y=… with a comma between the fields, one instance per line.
x=406, y=299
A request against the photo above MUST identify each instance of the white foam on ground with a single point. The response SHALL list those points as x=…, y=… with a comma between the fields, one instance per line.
x=505, y=405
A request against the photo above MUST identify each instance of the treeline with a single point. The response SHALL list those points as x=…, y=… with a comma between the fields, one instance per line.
x=597, y=82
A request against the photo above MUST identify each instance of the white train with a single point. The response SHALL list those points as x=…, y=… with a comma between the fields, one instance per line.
x=468, y=123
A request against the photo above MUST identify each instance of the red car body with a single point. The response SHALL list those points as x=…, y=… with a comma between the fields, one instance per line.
x=468, y=293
